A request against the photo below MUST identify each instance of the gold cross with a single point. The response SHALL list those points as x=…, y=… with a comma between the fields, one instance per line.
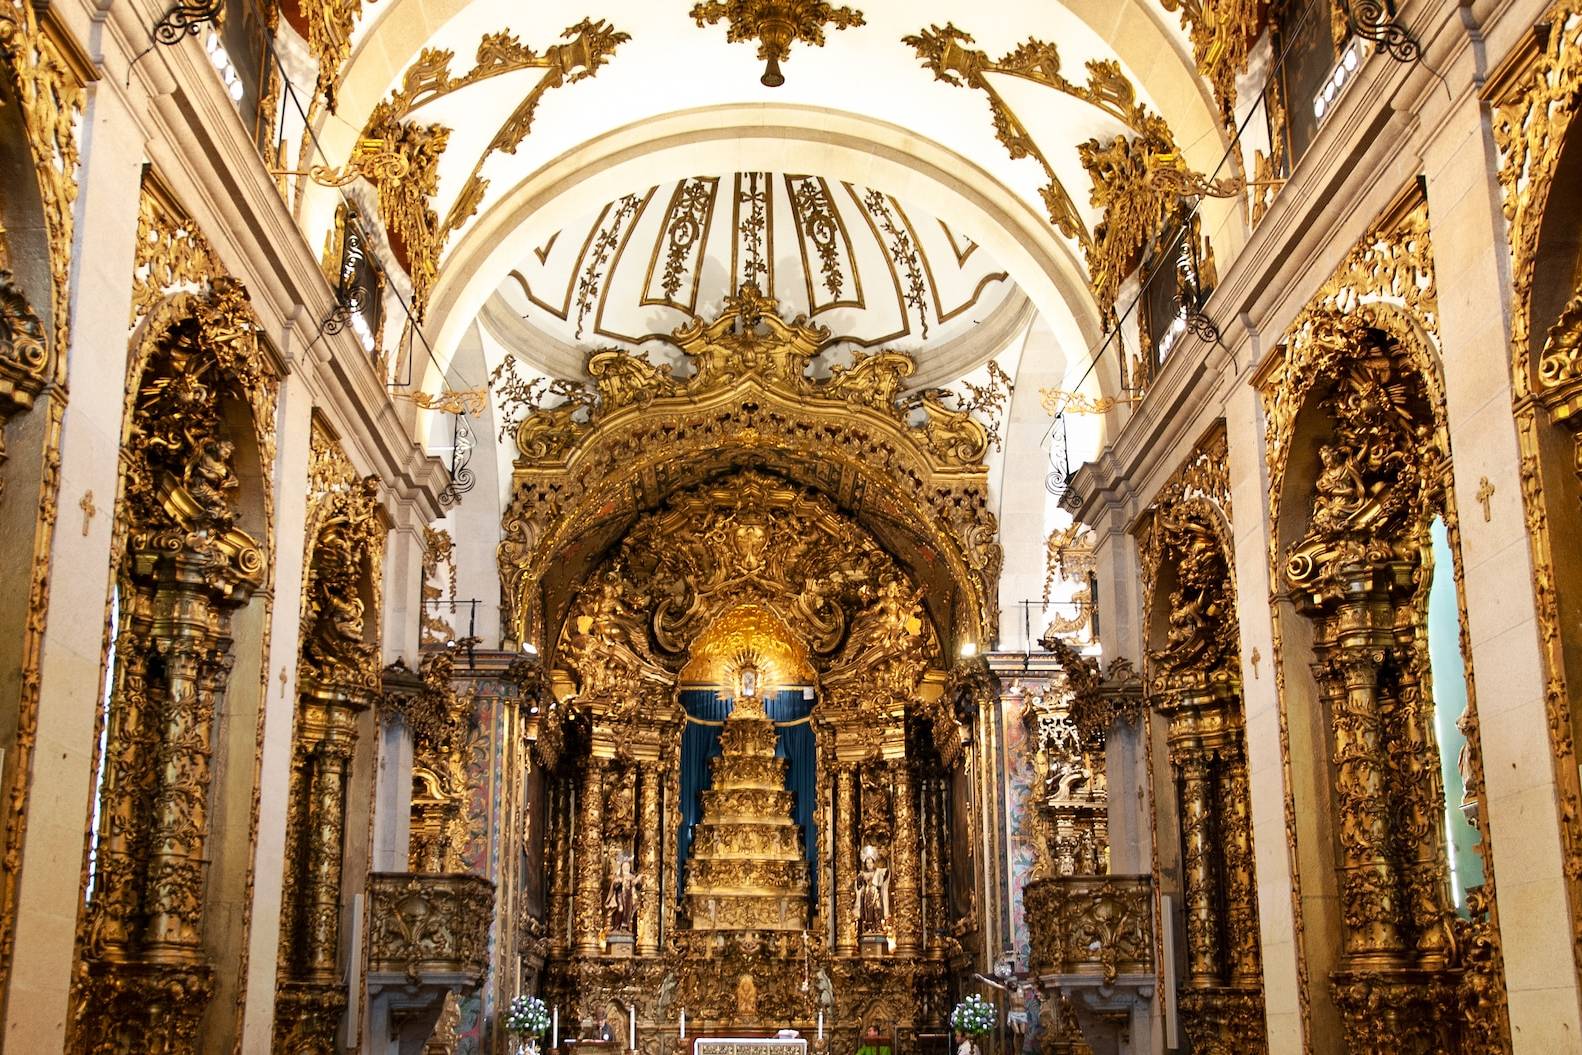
x=1485, y=492
x=1256, y=658
x=88, y=510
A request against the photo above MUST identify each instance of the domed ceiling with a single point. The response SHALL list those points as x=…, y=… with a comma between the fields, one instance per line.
x=856, y=260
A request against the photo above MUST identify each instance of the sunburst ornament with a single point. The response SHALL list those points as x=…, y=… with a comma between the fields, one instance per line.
x=775, y=24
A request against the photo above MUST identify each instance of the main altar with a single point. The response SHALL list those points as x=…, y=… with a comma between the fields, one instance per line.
x=753, y=776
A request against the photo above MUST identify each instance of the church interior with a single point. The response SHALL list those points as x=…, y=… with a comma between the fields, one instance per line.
x=468, y=587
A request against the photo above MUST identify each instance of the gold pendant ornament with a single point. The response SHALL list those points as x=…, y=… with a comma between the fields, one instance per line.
x=775, y=24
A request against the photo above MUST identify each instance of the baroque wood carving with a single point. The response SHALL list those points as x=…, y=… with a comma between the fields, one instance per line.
x=1361, y=360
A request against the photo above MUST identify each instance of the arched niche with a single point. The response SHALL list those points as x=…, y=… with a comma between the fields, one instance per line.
x=1360, y=482
x=174, y=780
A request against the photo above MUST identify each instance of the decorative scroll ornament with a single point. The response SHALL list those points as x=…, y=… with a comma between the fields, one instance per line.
x=775, y=24
x=1092, y=924
x=749, y=391
x=1138, y=178
x=24, y=355
x=1223, y=33
x=406, y=168
x=371, y=159
x=42, y=87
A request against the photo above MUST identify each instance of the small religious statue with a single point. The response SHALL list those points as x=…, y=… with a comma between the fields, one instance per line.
x=620, y=904
x=826, y=990
x=746, y=998
x=873, y=893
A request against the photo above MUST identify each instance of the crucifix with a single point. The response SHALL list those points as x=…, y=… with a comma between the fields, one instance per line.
x=1256, y=658
x=88, y=510
x=1485, y=492
x=282, y=683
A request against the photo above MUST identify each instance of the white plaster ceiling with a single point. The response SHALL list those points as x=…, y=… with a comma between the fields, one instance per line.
x=862, y=263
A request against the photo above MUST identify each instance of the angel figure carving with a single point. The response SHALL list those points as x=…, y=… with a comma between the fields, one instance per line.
x=873, y=893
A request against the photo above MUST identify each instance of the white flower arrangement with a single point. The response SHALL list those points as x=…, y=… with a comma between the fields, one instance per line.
x=974, y=1016
x=527, y=1017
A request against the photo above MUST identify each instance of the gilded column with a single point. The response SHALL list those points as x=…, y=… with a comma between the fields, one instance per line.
x=1241, y=894
x=937, y=917
x=559, y=868
x=904, y=845
x=1203, y=956
x=326, y=837
x=590, y=860
x=845, y=859
x=648, y=860
x=1367, y=872
x=179, y=821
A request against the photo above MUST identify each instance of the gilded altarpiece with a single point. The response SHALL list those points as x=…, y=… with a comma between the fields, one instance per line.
x=1194, y=682
x=820, y=546
x=41, y=100
x=192, y=556
x=338, y=681
x=1535, y=102
x=1355, y=405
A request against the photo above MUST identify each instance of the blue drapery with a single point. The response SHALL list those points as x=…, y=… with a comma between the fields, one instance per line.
x=700, y=744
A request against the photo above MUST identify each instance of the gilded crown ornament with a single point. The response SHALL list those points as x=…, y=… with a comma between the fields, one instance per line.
x=775, y=24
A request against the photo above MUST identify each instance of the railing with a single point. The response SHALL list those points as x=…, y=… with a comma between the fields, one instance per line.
x=428, y=929
x=1097, y=926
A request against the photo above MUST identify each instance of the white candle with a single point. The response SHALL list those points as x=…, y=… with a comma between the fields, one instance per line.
x=554, y=1041
x=683, y=1023
x=631, y=1027
x=821, y=1025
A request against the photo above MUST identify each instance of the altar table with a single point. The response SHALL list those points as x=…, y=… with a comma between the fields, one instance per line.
x=749, y=1046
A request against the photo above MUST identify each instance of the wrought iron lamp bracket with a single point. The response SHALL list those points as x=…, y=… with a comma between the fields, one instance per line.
x=183, y=20
x=1374, y=21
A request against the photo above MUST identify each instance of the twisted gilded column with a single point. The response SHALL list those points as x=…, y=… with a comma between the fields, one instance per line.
x=649, y=777
x=590, y=861
x=1203, y=953
x=904, y=848
x=1368, y=877
x=1241, y=893
x=333, y=724
x=845, y=859
x=559, y=839
x=937, y=917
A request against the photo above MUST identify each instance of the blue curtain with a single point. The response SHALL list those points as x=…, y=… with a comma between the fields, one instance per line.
x=700, y=743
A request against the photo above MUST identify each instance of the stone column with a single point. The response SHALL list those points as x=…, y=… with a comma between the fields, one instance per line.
x=904, y=861
x=845, y=859
x=590, y=860
x=1203, y=955
x=648, y=837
